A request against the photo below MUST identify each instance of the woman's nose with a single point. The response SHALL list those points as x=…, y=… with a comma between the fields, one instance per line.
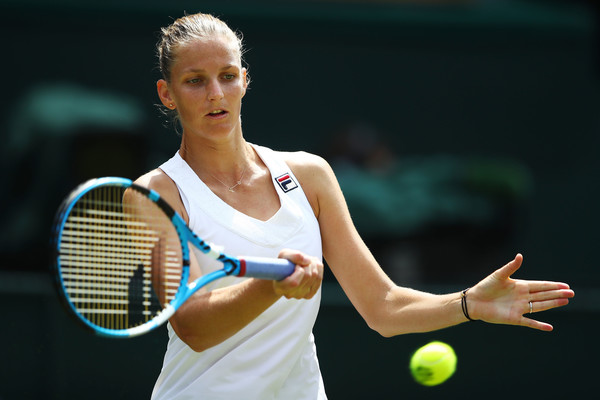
x=215, y=92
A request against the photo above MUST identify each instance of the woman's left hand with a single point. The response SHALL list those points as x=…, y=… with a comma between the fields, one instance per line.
x=500, y=299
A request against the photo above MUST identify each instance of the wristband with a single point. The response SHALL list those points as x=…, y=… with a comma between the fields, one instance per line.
x=463, y=303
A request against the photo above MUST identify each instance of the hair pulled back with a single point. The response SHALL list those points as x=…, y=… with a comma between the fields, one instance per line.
x=186, y=29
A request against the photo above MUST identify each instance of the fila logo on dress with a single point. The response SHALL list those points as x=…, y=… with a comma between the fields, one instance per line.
x=286, y=182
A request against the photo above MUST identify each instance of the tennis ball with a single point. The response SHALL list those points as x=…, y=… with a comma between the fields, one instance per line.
x=433, y=363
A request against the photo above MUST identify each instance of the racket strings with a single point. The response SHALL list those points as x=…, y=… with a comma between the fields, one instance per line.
x=120, y=261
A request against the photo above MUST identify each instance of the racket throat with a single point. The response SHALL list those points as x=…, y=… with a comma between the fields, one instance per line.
x=233, y=267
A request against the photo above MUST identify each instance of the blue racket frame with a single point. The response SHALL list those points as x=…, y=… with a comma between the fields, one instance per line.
x=264, y=268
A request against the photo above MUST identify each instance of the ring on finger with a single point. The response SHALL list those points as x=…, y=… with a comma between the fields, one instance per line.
x=530, y=307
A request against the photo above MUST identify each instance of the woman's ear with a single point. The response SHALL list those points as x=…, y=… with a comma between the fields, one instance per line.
x=245, y=80
x=162, y=87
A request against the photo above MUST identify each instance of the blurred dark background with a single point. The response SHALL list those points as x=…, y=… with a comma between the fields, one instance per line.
x=462, y=132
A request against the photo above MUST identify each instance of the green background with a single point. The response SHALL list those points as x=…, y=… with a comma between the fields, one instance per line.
x=491, y=110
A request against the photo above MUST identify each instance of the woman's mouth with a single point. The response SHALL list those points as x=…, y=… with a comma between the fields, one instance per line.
x=217, y=113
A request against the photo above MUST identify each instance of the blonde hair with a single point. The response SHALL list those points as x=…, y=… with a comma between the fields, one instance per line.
x=189, y=28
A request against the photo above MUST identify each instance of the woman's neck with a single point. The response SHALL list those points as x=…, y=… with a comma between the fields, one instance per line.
x=223, y=161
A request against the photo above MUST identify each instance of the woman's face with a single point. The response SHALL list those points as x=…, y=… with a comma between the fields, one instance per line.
x=207, y=85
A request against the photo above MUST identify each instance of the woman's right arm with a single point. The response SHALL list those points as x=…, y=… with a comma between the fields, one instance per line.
x=209, y=318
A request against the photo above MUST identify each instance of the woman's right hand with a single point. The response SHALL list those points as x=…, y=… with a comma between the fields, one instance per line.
x=305, y=281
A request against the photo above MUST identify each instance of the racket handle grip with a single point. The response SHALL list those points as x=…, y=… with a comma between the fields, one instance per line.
x=266, y=268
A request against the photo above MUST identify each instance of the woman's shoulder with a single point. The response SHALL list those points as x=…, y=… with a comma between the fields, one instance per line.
x=161, y=183
x=314, y=174
x=304, y=162
x=156, y=180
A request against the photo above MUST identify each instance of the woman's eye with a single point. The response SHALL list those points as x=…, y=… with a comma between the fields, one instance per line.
x=194, y=80
x=229, y=77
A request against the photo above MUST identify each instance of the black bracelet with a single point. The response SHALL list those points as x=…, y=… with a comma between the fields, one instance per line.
x=463, y=303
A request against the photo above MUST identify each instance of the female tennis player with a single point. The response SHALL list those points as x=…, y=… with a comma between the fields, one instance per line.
x=252, y=338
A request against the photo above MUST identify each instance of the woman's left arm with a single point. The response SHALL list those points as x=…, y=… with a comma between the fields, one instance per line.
x=392, y=310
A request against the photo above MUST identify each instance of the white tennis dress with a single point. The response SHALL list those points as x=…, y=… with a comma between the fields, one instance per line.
x=273, y=357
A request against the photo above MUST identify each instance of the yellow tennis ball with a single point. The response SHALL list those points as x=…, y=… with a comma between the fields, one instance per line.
x=433, y=363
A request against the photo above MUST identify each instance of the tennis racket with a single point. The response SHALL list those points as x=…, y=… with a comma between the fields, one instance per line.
x=122, y=259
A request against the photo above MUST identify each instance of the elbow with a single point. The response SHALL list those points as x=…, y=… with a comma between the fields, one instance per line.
x=389, y=320
x=194, y=341
x=383, y=330
x=381, y=324
x=384, y=333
